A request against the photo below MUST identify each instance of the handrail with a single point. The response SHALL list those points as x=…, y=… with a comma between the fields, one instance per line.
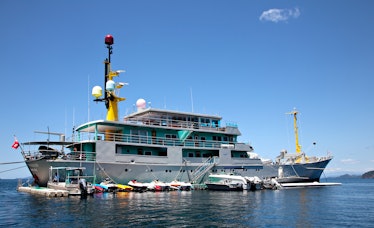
x=151, y=140
x=203, y=169
x=170, y=122
x=67, y=155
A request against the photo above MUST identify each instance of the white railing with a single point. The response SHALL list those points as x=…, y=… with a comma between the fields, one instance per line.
x=151, y=140
x=167, y=122
x=203, y=169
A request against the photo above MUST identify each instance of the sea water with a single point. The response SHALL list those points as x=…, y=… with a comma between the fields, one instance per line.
x=348, y=205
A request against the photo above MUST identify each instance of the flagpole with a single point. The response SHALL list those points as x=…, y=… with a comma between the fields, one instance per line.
x=19, y=145
x=22, y=152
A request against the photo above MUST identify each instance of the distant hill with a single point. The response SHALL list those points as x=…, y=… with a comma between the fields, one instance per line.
x=368, y=175
x=349, y=176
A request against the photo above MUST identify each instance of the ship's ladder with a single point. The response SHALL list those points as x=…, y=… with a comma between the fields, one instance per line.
x=201, y=170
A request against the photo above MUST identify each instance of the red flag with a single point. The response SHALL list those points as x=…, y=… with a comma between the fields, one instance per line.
x=15, y=144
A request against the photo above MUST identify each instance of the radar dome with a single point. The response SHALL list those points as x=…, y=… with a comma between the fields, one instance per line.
x=141, y=104
x=110, y=85
x=97, y=91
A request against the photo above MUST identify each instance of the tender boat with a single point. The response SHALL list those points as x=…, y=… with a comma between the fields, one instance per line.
x=99, y=188
x=109, y=185
x=71, y=179
x=138, y=186
x=231, y=182
x=182, y=186
x=124, y=188
x=158, y=186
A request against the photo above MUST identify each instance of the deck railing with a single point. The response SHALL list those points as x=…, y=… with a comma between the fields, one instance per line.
x=35, y=154
x=151, y=140
x=175, y=123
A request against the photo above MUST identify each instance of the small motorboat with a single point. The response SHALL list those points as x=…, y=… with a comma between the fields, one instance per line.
x=138, y=186
x=98, y=188
x=231, y=182
x=109, y=185
x=158, y=186
x=182, y=186
x=124, y=188
x=70, y=179
x=225, y=185
x=255, y=183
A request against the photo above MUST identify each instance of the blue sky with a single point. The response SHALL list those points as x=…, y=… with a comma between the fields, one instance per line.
x=248, y=61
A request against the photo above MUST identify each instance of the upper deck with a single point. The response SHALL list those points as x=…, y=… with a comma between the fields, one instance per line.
x=182, y=120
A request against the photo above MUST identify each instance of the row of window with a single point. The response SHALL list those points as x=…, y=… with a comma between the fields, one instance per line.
x=174, y=136
x=188, y=153
x=183, y=170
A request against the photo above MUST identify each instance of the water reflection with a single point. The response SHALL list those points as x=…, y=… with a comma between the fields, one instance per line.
x=309, y=207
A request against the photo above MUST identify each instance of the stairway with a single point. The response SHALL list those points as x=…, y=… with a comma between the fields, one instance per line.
x=203, y=169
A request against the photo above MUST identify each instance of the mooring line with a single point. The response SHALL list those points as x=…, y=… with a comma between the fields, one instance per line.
x=9, y=163
x=12, y=169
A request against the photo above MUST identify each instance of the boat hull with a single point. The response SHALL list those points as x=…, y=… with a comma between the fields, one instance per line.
x=307, y=172
x=224, y=187
x=72, y=189
x=124, y=172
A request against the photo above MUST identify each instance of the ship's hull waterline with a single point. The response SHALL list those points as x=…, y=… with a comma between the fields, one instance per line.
x=123, y=173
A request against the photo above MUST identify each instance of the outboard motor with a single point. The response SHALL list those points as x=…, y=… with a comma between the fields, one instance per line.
x=83, y=186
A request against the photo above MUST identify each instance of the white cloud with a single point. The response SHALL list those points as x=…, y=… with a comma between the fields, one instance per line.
x=276, y=15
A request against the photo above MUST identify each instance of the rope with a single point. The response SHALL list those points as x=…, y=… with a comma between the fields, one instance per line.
x=103, y=170
x=295, y=171
x=152, y=173
x=180, y=173
x=12, y=169
x=8, y=163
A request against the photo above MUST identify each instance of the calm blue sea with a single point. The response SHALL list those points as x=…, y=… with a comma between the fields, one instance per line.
x=348, y=205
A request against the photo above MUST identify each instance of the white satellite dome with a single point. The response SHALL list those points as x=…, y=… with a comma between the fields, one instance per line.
x=141, y=104
x=110, y=85
x=97, y=91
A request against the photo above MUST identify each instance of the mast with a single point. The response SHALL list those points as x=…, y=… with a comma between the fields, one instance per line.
x=109, y=42
x=110, y=98
x=298, y=147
